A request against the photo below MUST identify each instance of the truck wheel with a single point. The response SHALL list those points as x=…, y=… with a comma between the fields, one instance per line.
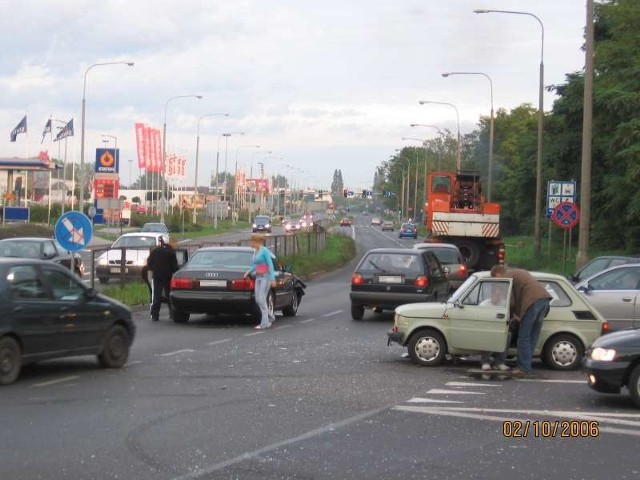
x=470, y=251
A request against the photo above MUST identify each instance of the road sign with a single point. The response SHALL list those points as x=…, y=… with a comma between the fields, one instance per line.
x=92, y=211
x=566, y=215
x=558, y=192
x=73, y=231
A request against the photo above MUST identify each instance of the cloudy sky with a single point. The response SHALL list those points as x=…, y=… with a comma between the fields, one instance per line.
x=321, y=84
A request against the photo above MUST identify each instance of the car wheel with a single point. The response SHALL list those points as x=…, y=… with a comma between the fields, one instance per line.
x=115, y=348
x=179, y=316
x=291, y=309
x=563, y=352
x=10, y=360
x=634, y=385
x=357, y=312
x=427, y=348
x=103, y=280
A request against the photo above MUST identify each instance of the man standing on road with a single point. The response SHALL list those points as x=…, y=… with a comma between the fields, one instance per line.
x=529, y=304
x=162, y=263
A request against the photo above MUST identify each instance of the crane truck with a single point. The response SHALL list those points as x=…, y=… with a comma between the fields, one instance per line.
x=456, y=212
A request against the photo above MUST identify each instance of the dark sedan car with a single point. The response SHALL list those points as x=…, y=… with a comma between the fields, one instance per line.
x=262, y=223
x=613, y=362
x=408, y=230
x=386, y=278
x=41, y=248
x=212, y=282
x=49, y=313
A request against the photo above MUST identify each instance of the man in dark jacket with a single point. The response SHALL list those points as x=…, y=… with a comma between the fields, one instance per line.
x=529, y=305
x=163, y=263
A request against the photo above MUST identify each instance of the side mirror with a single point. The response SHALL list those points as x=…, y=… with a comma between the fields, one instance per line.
x=584, y=288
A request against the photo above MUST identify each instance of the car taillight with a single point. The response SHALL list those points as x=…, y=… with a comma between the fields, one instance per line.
x=500, y=255
x=356, y=279
x=462, y=270
x=244, y=284
x=181, y=283
x=605, y=328
x=421, y=282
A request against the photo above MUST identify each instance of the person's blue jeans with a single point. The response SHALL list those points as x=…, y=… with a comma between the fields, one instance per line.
x=530, y=327
x=261, y=291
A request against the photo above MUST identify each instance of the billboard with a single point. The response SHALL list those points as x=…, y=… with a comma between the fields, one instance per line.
x=106, y=188
x=107, y=160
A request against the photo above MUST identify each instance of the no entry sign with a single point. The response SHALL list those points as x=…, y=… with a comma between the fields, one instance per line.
x=566, y=215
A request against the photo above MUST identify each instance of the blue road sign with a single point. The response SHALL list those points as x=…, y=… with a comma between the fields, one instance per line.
x=73, y=231
x=559, y=191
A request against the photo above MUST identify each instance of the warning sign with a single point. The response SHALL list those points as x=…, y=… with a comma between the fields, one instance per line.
x=107, y=160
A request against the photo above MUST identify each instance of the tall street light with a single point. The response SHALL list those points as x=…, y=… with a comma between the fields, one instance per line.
x=424, y=102
x=491, y=120
x=82, y=128
x=195, y=180
x=164, y=148
x=235, y=181
x=224, y=183
x=538, y=210
x=440, y=131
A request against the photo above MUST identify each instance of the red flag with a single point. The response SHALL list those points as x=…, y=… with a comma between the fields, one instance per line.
x=142, y=159
x=158, y=144
x=147, y=149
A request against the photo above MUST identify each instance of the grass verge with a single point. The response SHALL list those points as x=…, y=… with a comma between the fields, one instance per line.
x=338, y=251
x=130, y=293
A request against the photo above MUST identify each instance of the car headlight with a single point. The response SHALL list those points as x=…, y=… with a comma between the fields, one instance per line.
x=603, y=354
x=255, y=226
x=103, y=261
x=267, y=225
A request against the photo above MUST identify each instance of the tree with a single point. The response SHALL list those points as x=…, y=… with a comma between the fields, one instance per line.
x=337, y=185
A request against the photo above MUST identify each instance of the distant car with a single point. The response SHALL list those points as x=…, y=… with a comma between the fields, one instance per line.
x=138, y=245
x=213, y=282
x=613, y=362
x=49, y=313
x=615, y=293
x=469, y=323
x=451, y=259
x=599, y=264
x=388, y=277
x=365, y=214
x=375, y=221
x=408, y=230
x=285, y=220
x=387, y=225
x=262, y=223
x=345, y=222
x=155, y=227
x=292, y=226
x=43, y=249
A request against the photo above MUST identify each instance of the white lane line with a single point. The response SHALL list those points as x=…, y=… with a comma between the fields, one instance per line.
x=470, y=384
x=177, y=352
x=282, y=326
x=442, y=391
x=430, y=400
x=253, y=334
x=218, y=342
x=551, y=381
x=185, y=240
x=331, y=314
x=308, y=320
x=57, y=380
x=136, y=362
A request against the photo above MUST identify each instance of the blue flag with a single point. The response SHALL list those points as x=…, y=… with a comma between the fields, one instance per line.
x=20, y=128
x=67, y=131
x=47, y=129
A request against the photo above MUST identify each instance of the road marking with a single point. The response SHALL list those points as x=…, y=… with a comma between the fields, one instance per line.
x=331, y=314
x=308, y=320
x=177, y=352
x=551, y=381
x=185, y=240
x=57, y=380
x=283, y=326
x=254, y=333
x=442, y=391
x=430, y=400
x=218, y=342
x=136, y=362
x=470, y=384
x=207, y=471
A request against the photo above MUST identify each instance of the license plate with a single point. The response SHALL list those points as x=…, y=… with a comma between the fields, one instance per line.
x=389, y=279
x=213, y=283
x=116, y=270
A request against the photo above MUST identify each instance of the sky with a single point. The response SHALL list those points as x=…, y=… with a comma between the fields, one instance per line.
x=321, y=85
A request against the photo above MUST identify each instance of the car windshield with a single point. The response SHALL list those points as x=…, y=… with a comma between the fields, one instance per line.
x=154, y=227
x=20, y=248
x=391, y=263
x=221, y=258
x=262, y=219
x=135, y=241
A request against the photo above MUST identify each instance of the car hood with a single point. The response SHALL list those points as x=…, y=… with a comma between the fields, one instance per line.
x=621, y=339
x=422, y=310
x=131, y=254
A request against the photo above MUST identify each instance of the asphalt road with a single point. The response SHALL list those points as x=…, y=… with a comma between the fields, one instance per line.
x=318, y=396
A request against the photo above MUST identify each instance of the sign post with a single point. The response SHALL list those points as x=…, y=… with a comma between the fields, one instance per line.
x=566, y=215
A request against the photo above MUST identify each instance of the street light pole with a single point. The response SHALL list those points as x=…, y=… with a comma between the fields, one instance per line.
x=224, y=183
x=195, y=180
x=236, y=194
x=491, y=122
x=458, y=155
x=82, y=128
x=164, y=148
x=538, y=208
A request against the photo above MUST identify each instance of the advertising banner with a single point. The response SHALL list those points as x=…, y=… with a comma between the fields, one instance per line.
x=107, y=160
x=140, y=145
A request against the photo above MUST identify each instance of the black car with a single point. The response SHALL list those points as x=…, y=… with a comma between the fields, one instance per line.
x=41, y=248
x=386, y=278
x=613, y=362
x=49, y=313
x=213, y=282
x=262, y=223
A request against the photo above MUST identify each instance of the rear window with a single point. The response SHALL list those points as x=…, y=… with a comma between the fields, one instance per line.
x=227, y=259
x=392, y=263
x=20, y=249
x=446, y=256
x=559, y=296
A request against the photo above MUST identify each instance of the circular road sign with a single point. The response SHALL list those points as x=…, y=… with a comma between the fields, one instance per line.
x=92, y=211
x=566, y=215
x=73, y=230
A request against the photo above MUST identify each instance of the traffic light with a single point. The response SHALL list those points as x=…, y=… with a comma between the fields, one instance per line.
x=345, y=193
x=364, y=194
